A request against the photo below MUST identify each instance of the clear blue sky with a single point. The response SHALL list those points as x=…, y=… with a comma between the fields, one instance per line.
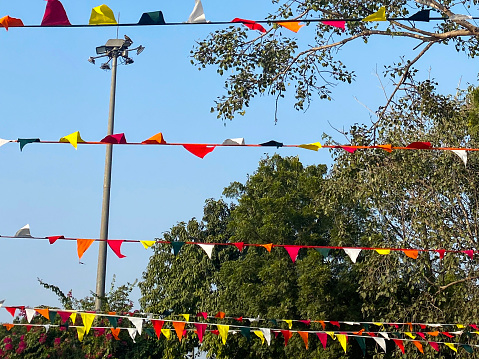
x=49, y=90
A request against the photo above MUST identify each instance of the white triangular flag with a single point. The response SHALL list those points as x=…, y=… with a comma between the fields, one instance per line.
x=47, y=328
x=353, y=253
x=267, y=335
x=234, y=141
x=2, y=141
x=460, y=17
x=197, y=15
x=30, y=314
x=24, y=232
x=1, y=302
x=208, y=248
x=462, y=155
x=381, y=342
x=132, y=332
x=138, y=323
x=384, y=334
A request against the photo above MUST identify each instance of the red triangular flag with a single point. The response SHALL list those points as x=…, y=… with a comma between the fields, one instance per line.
x=202, y=314
x=474, y=326
x=53, y=239
x=287, y=336
x=239, y=319
x=55, y=14
x=220, y=315
x=157, y=325
x=422, y=326
x=336, y=324
x=447, y=334
x=179, y=328
x=115, y=245
x=64, y=316
x=339, y=24
x=305, y=321
x=199, y=150
x=470, y=253
x=115, y=139
x=11, y=310
x=239, y=245
x=293, y=251
x=200, y=330
x=441, y=252
x=400, y=344
x=29, y=327
x=250, y=24
x=323, y=338
x=304, y=335
x=419, y=145
x=434, y=345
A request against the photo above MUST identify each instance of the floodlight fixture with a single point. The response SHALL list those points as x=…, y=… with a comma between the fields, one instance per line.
x=91, y=60
x=139, y=49
x=129, y=61
x=105, y=66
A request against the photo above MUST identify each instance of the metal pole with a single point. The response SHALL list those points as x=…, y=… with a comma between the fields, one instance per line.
x=105, y=211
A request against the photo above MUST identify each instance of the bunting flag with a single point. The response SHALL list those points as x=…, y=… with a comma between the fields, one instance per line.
x=349, y=149
x=400, y=344
x=166, y=333
x=379, y=15
x=186, y=316
x=451, y=346
x=202, y=314
x=353, y=253
x=64, y=316
x=83, y=245
x=116, y=139
x=8, y=21
x=290, y=25
x=87, y=319
x=341, y=24
x=272, y=143
x=411, y=253
x=115, y=245
x=246, y=332
x=80, y=333
x=208, y=248
x=260, y=335
x=138, y=323
x=200, y=331
x=381, y=342
x=462, y=154
x=304, y=336
x=199, y=150
x=30, y=313
x=252, y=25
x=343, y=340
x=197, y=15
x=53, y=239
x=323, y=338
x=223, y=329
x=132, y=332
x=44, y=313
x=419, y=146
x=267, y=335
x=286, y=335
x=434, y=345
x=23, y=232
x=289, y=322
x=8, y=326
x=55, y=14
x=233, y=142
x=311, y=146
x=102, y=15
x=239, y=245
x=25, y=141
x=157, y=139
x=418, y=346
x=73, y=138
x=179, y=328
x=383, y=251
x=152, y=18
x=113, y=321
x=147, y=244
x=293, y=252
x=177, y=247
x=268, y=246
x=3, y=141
x=157, y=326
x=73, y=317
x=422, y=15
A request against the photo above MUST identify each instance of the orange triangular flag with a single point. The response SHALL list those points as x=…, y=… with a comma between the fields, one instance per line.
x=323, y=324
x=179, y=328
x=267, y=246
x=434, y=334
x=115, y=332
x=9, y=326
x=44, y=312
x=83, y=245
x=304, y=335
x=155, y=140
x=220, y=315
x=7, y=21
x=293, y=26
x=418, y=345
x=411, y=253
x=387, y=148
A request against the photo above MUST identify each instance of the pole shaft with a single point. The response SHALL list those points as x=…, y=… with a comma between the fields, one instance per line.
x=105, y=211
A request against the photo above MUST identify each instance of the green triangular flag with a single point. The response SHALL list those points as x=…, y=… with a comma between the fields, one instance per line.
x=274, y=321
x=113, y=321
x=362, y=344
x=323, y=251
x=176, y=247
x=52, y=315
x=152, y=18
x=467, y=348
x=25, y=141
x=150, y=332
x=366, y=326
x=246, y=332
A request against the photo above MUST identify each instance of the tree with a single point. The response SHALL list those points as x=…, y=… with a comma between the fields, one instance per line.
x=270, y=63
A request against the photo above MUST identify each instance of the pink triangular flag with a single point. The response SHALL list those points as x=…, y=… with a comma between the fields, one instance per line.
x=434, y=345
x=55, y=14
x=64, y=316
x=115, y=139
x=202, y=314
x=293, y=251
x=470, y=253
x=115, y=245
x=323, y=338
x=200, y=330
x=339, y=24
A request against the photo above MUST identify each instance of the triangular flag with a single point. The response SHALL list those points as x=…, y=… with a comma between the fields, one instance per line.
x=343, y=340
x=44, y=312
x=73, y=138
x=8, y=21
x=379, y=15
x=267, y=246
x=199, y=150
x=459, y=17
x=250, y=24
x=291, y=25
x=304, y=335
x=434, y=345
x=341, y=24
x=152, y=18
x=197, y=15
x=25, y=141
x=290, y=323
x=132, y=332
x=336, y=324
x=73, y=317
x=64, y=316
x=332, y=335
x=157, y=325
x=447, y=334
x=410, y=335
x=202, y=314
x=400, y=344
x=81, y=333
x=384, y=334
x=411, y=253
x=115, y=245
x=2, y=141
x=30, y=314
x=116, y=139
x=186, y=316
x=323, y=251
x=8, y=326
x=55, y=14
x=362, y=344
x=155, y=140
x=53, y=239
x=451, y=346
x=353, y=253
x=179, y=327
x=166, y=333
x=434, y=334
x=208, y=248
x=323, y=338
x=462, y=155
x=87, y=319
x=467, y=348
x=286, y=335
x=246, y=332
x=418, y=346
x=383, y=251
x=422, y=15
x=147, y=244
x=23, y=232
x=220, y=315
x=223, y=329
x=267, y=335
x=272, y=143
x=137, y=322
x=470, y=253
x=113, y=321
x=83, y=245
x=381, y=342
x=349, y=149
x=311, y=146
x=200, y=330
x=177, y=246
x=239, y=245
x=53, y=315
x=29, y=327
x=441, y=252
x=420, y=145
x=293, y=251
x=422, y=335
x=102, y=15
x=233, y=142
x=387, y=148
x=260, y=335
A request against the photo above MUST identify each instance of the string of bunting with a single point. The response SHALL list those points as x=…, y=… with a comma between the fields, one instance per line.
x=293, y=250
x=223, y=330
x=201, y=150
x=56, y=16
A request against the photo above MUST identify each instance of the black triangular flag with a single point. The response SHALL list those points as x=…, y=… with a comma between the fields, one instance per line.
x=152, y=18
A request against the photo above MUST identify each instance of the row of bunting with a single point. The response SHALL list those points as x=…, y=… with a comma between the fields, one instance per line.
x=222, y=330
x=55, y=15
x=201, y=150
x=293, y=250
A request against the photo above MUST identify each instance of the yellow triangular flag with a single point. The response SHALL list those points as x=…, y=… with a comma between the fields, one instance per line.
x=166, y=333
x=73, y=317
x=383, y=251
x=147, y=244
x=451, y=346
x=379, y=15
x=223, y=329
x=331, y=334
x=378, y=324
x=102, y=15
x=311, y=146
x=73, y=138
x=342, y=341
x=186, y=316
x=290, y=323
x=260, y=334
x=87, y=321
x=81, y=333
x=410, y=335
x=460, y=326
